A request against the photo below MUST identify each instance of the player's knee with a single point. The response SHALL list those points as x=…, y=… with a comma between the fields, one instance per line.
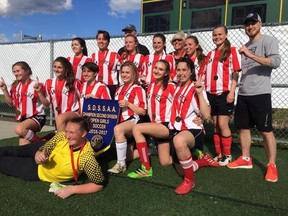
x=136, y=130
x=118, y=130
x=179, y=143
x=20, y=131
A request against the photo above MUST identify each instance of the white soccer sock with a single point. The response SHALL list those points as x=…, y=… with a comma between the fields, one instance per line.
x=121, y=149
x=195, y=166
x=29, y=136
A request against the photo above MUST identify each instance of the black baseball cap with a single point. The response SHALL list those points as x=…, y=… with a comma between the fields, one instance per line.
x=129, y=27
x=252, y=17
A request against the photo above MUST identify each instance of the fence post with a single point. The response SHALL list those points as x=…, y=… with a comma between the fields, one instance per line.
x=51, y=75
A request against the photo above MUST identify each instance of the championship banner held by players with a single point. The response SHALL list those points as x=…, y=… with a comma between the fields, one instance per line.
x=103, y=115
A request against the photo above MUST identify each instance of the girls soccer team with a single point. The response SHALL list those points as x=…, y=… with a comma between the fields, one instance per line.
x=173, y=95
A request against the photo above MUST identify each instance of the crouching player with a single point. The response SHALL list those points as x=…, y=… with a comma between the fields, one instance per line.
x=190, y=101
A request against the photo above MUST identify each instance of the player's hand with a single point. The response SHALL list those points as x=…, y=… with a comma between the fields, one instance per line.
x=40, y=157
x=37, y=85
x=65, y=192
x=3, y=85
x=123, y=103
x=230, y=97
x=90, y=96
x=198, y=121
x=143, y=78
x=199, y=85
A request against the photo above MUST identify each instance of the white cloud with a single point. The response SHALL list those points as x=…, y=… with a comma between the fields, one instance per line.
x=24, y=7
x=3, y=6
x=120, y=8
x=17, y=36
x=3, y=38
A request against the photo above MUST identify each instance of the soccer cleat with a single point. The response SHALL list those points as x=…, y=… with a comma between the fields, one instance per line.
x=211, y=162
x=241, y=163
x=117, y=168
x=185, y=187
x=218, y=157
x=272, y=173
x=141, y=173
x=225, y=160
x=55, y=186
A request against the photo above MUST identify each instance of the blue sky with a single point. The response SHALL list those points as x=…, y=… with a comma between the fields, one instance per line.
x=59, y=19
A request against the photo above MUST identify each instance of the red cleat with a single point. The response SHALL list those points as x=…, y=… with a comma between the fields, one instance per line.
x=272, y=173
x=185, y=187
x=211, y=162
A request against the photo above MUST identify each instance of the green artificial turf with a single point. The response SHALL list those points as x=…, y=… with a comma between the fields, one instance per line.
x=217, y=192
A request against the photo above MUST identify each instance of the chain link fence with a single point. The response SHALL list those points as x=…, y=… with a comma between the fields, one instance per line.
x=40, y=55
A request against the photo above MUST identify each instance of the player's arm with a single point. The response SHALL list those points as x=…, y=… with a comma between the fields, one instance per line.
x=94, y=173
x=231, y=95
x=204, y=107
x=39, y=88
x=78, y=189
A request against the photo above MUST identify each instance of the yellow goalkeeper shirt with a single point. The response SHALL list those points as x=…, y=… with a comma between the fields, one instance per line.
x=58, y=168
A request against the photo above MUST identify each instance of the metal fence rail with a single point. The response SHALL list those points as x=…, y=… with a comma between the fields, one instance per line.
x=40, y=55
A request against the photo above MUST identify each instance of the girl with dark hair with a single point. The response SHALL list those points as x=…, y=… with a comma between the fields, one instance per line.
x=131, y=53
x=108, y=62
x=159, y=101
x=62, y=159
x=62, y=92
x=80, y=57
x=222, y=67
x=160, y=97
x=194, y=51
x=132, y=101
x=29, y=109
x=159, y=46
x=190, y=101
x=91, y=88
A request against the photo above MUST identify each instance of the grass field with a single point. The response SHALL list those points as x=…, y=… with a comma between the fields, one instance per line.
x=218, y=192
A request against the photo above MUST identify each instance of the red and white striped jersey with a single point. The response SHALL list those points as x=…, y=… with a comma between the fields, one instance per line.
x=98, y=90
x=218, y=75
x=185, y=108
x=77, y=63
x=60, y=97
x=108, y=63
x=199, y=70
x=151, y=60
x=138, y=60
x=26, y=100
x=135, y=94
x=159, y=102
